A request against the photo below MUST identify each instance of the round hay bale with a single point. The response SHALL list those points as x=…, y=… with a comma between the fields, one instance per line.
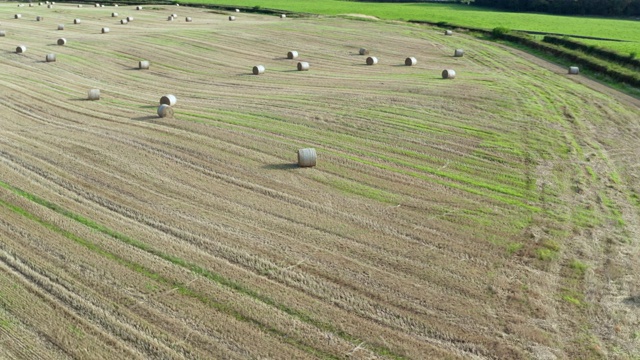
x=170, y=18
x=448, y=74
x=138, y=7
x=77, y=21
x=574, y=70
x=17, y=16
x=39, y=4
x=175, y=16
x=30, y=5
x=164, y=111
x=143, y=65
x=129, y=18
x=458, y=53
x=3, y=33
x=237, y=10
x=410, y=61
x=258, y=69
x=101, y=5
x=188, y=19
x=307, y=157
x=62, y=41
x=448, y=32
x=21, y=49
x=232, y=18
x=283, y=16
x=372, y=60
x=292, y=55
x=60, y=26
x=363, y=51
x=105, y=30
x=50, y=58
x=39, y=18
x=49, y=6
x=115, y=5
x=97, y=5
x=94, y=94
x=303, y=66
x=123, y=21
x=79, y=5
x=168, y=100
x=114, y=14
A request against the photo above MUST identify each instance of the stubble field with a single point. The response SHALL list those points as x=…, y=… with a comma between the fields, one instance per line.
x=490, y=216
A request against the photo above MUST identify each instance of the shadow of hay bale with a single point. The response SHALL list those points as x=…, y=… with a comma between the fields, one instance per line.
x=284, y=166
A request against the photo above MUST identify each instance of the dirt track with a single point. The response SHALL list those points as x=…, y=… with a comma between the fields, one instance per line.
x=420, y=234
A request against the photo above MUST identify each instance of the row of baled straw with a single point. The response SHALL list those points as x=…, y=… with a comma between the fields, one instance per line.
x=20, y=49
x=371, y=60
x=306, y=157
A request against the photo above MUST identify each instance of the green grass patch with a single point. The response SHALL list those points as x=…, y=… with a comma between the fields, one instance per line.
x=616, y=215
x=548, y=251
x=585, y=218
x=545, y=254
x=76, y=331
x=579, y=267
x=513, y=248
x=356, y=188
x=573, y=297
x=570, y=299
x=6, y=324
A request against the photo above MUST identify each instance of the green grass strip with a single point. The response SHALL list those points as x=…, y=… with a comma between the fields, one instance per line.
x=217, y=278
x=457, y=181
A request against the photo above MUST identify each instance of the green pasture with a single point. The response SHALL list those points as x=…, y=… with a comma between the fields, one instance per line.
x=465, y=15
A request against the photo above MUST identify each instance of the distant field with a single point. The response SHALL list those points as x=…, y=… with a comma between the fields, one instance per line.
x=466, y=16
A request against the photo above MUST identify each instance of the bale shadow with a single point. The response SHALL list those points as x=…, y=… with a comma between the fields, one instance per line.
x=283, y=166
x=632, y=301
x=145, y=118
x=148, y=106
x=282, y=58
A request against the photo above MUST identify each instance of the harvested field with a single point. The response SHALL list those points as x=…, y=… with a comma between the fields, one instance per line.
x=493, y=216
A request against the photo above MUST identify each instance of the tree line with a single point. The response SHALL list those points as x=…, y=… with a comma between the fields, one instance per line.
x=567, y=7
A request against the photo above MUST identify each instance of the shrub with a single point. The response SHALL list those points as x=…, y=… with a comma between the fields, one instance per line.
x=497, y=32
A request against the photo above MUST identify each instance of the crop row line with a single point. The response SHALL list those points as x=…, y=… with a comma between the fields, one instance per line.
x=196, y=269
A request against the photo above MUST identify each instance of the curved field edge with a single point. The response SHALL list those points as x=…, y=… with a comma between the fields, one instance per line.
x=466, y=16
